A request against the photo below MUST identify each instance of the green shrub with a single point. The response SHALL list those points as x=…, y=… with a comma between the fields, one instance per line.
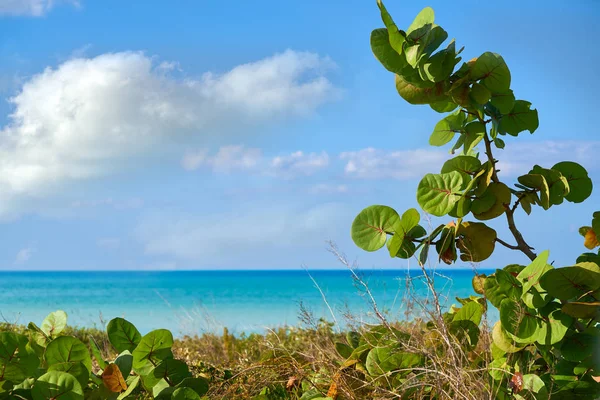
x=44, y=363
x=547, y=340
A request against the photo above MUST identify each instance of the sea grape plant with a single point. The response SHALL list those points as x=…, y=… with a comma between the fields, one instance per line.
x=549, y=316
x=45, y=364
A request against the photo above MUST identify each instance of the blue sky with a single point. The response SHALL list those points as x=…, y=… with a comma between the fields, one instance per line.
x=178, y=135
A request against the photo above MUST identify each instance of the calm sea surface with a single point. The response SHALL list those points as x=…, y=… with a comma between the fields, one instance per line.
x=190, y=302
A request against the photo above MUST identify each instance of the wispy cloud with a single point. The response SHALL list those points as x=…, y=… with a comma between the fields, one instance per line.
x=373, y=163
x=517, y=159
x=240, y=158
x=210, y=238
x=109, y=202
x=93, y=116
x=24, y=255
x=227, y=159
x=329, y=188
x=34, y=8
x=299, y=163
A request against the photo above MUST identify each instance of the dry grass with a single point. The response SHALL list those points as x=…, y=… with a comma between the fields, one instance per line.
x=286, y=362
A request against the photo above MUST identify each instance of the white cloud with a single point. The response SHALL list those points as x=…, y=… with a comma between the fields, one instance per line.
x=227, y=159
x=192, y=160
x=299, y=163
x=215, y=238
x=109, y=202
x=327, y=188
x=519, y=158
x=240, y=158
x=91, y=116
x=373, y=163
x=34, y=8
x=24, y=255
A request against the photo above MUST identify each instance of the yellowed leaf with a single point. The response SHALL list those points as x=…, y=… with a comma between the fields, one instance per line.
x=591, y=240
x=113, y=379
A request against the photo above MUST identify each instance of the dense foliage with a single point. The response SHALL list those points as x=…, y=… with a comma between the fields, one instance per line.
x=546, y=342
x=43, y=363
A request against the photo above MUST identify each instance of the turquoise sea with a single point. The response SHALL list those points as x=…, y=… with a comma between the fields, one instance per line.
x=193, y=302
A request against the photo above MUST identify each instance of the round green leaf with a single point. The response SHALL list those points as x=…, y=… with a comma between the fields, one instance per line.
x=571, y=282
x=471, y=311
x=474, y=133
x=123, y=335
x=396, y=38
x=504, y=102
x=416, y=95
x=424, y=18
x=54, y=323
x=501, y=285
x=461, y=208
x=579, y=346
x=154, y=347
x=554, y=328
x=173, y=371
x=477, y=241
x=385, y=54
x=437, y=193
x=444, y=106
x=492, y=71
x=503, y=341
x=530, y=276
x=558, y=185
x=440, y=66
x=519, y=119
x=480, y=93
x=483, y=203
x=465, y=164
x=162, y=391
x=67, y=350
x=370, y=226
x=125, y=363
x=343, y=349
x=466, y=332
x=519, y=321
x=580, y=184
x=77, y=369
x=58, y=386
x=535, y=385
x=445, y=129
x=503, y=196
x=417, y=232
x=537, y=181
x=199, y=385
x=185, y=393
x=409, y=220
x=405, y=250
x=17, y=360
x=381, y=360
x=535, y=298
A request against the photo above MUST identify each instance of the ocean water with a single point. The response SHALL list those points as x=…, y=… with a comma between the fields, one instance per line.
x=194, y=302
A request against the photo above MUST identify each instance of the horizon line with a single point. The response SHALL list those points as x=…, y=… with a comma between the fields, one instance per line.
x=246, y=270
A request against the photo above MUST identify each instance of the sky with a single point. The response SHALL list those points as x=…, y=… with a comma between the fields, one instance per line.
x=148, y=134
